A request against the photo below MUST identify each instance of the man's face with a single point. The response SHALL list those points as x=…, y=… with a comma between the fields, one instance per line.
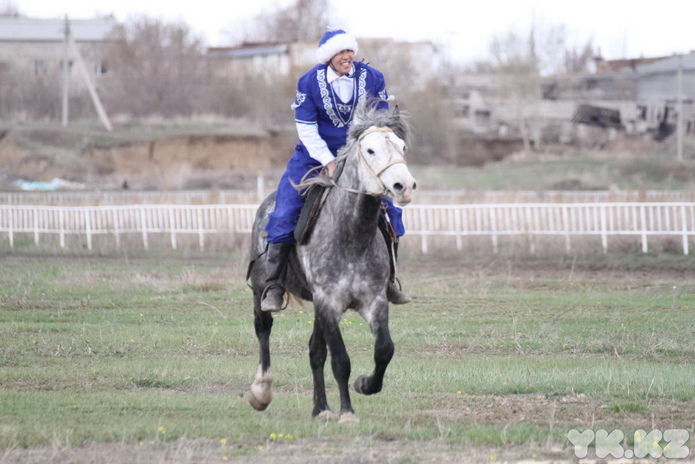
x=342, y=62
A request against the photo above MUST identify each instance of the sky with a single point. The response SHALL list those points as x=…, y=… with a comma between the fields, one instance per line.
x=462, y=28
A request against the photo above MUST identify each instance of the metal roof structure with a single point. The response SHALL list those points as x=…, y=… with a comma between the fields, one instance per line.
x=248, y=50
x=668, y=65
x=53, y=30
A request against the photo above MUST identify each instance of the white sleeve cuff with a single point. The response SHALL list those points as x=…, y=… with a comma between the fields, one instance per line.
x=309, y=136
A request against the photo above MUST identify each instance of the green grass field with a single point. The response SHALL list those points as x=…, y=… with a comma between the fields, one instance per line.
x=593, y=171
x=148, y=359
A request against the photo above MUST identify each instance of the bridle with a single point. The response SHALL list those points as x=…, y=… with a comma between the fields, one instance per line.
x=377, y=175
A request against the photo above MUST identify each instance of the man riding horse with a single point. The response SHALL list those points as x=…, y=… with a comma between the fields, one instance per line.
x=325, y=101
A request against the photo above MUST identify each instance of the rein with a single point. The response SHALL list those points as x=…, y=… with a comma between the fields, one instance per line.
x=376, y=175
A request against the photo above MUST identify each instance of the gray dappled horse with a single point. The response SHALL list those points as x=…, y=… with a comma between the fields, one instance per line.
x=345, y=263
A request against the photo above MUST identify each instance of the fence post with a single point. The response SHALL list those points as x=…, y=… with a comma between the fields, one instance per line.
x=36, y=227
x=565, y=221
x=604, y=231
x=643, y=220
x=62, y=228
x=531, y=228
x=116, y=227
x=143, y=222
x=424, y=228
x=11, y=231
x=457, y=225
x=172, y=225
x=493, y=229
x=88, y=227
x=684, y=220
x=201, y=231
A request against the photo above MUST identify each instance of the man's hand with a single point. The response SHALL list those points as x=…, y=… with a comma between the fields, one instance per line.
x=331, y=168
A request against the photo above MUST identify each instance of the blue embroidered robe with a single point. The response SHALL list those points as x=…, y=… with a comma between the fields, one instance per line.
x=317, y=103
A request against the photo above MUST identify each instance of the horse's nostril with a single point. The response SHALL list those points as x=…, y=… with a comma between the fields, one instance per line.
x=398, y=186
x=414, y=185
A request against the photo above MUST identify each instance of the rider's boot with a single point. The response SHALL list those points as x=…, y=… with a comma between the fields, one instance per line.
x=393, y=292
x=275, y=263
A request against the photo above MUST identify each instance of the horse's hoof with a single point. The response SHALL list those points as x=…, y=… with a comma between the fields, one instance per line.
x=261, y=390
x=327, y=416
x=361, y=384
x=256, y=403
x=348, y=418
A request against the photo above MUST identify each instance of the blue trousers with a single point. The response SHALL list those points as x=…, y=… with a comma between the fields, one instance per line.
x=289, y=202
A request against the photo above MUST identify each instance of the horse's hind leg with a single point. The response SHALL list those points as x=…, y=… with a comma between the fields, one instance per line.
x=318, y=352
x=383, y=352
x=261, y=393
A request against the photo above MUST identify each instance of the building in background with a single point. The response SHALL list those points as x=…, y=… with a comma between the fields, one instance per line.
x=267, y=60
x=643, y=92
x=35, y=48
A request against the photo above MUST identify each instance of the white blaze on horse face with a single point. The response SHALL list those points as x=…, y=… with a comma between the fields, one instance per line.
x=384, y=153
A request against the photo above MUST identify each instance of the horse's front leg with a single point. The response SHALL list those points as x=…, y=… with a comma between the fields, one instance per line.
x=377, y=315
x=318, y=352
x=261, y=393
x=329, y=321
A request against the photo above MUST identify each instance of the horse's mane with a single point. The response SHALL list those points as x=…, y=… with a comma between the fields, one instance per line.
x=366, y=115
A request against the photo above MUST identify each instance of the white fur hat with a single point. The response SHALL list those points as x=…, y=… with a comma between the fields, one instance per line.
x=333, y=42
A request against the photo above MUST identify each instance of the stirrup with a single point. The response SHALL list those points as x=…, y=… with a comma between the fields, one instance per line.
x=268, y=293
x=395, y=295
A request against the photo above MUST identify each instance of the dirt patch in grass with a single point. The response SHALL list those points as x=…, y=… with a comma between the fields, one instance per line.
x=562, y=412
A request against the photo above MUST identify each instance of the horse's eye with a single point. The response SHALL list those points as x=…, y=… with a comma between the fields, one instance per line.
x=370, y=151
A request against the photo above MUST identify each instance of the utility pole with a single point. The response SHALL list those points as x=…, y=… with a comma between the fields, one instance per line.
x=679, y=116
x=82, y=68
x=71, y=46
x=66, y=72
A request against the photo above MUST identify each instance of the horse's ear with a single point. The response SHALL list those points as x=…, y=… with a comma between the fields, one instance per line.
x=396, y=112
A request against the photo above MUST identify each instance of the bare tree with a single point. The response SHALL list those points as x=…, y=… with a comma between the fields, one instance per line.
x=302, y=21
x=512, y=53
x=155, y=68
x=8, y=9
x=523, y=60
x=543, y=51
x=578, y=59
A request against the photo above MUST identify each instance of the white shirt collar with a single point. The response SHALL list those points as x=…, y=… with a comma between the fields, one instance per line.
x=332, y=75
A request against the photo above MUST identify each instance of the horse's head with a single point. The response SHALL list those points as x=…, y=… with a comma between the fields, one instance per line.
x=381, y=137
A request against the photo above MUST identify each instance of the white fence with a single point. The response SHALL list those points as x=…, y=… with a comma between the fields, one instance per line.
x=118, y=220
x=547, y=219
x=604, y=220
x=425, y=197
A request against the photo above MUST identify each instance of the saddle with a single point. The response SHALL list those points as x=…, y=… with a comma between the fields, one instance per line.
x=312, y=206
x=310, y=211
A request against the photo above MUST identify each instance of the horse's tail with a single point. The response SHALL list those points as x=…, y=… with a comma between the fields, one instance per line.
x=252, y=263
